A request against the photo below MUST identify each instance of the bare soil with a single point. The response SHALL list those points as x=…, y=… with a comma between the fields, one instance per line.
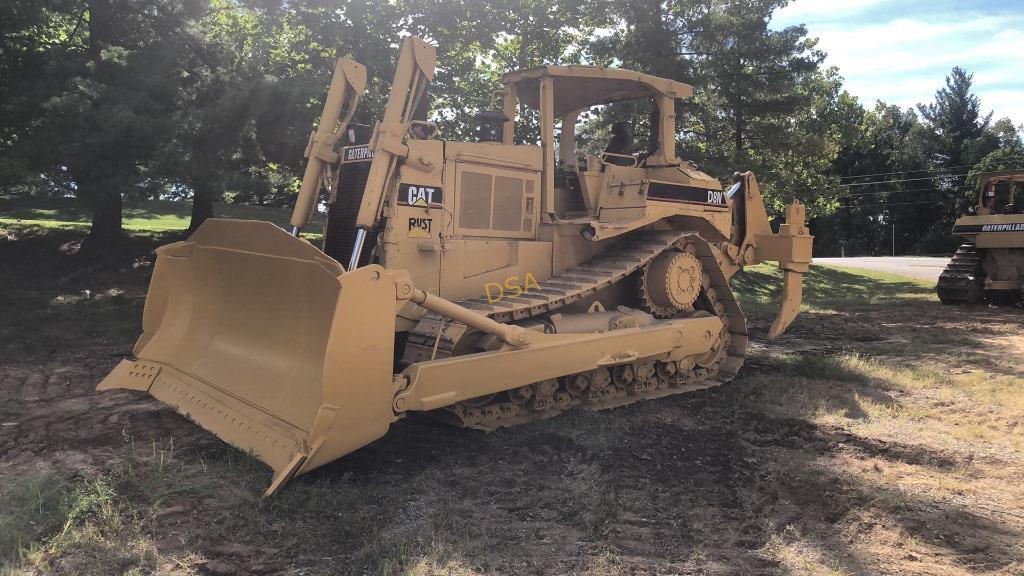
x=881, y=437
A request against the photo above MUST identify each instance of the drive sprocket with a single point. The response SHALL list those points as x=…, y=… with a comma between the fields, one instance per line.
x=670, y=283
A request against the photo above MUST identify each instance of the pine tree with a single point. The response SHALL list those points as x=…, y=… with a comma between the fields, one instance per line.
x=959, y=138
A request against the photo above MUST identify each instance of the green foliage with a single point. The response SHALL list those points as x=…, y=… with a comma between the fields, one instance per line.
x=213, y=100
x=915, y=167
x=890, y=142
x=762, y=101
x=1009, y=157
x=956, y=121
x=32, y=507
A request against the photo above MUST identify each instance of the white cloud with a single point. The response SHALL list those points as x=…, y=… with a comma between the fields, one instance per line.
x=1005, y=103
x=801, y=11
x=904, y=59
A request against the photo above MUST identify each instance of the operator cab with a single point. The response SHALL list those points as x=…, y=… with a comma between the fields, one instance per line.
x=998, y=193
x=607, y=181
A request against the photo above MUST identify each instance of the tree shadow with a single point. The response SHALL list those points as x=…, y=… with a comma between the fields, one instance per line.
x=688, y=484
x=816, y=384
x=56, y=297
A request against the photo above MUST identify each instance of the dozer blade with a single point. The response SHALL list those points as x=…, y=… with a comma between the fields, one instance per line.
x=263, y=340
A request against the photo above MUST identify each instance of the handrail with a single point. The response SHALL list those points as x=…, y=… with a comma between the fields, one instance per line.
x=635, y=160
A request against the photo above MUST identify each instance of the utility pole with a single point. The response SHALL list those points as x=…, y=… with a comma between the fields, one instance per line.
x=894, y=237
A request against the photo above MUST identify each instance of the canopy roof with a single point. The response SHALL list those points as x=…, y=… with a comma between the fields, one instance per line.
x=579, y=87
x=1002, y=176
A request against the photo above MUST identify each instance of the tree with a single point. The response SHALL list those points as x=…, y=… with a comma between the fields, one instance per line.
x=97, y=103
x=761, y=102
x=478, y=42
x=1005, y=158
x=1006, y=134
x=885, y=181
x=955, y=120
x=913, y=182
x=959, y=137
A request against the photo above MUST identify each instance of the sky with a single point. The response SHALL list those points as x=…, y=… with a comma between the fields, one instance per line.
x=900, y=51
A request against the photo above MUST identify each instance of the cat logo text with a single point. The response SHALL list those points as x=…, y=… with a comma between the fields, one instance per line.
x=422, y=196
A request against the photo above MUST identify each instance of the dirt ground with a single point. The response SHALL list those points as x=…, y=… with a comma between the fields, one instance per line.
x=884, y=434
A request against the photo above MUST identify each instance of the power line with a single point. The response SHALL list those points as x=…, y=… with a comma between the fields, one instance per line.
x=907, y=171
x=903, y=180
x=880, y=192
x=843, y=196
x=933, y=203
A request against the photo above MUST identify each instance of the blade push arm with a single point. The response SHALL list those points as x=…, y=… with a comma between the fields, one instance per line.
x=348, y=83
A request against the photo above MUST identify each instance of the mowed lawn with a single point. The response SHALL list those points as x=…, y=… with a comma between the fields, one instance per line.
x=151, y=216
x=883, y=434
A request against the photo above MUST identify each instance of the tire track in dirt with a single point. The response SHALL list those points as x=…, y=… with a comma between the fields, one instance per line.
x=56, y=407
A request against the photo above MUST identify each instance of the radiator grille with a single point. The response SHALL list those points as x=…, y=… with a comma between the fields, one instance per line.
x=340, y=233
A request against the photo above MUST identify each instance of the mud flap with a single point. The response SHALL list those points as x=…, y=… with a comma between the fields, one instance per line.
x=266, y=342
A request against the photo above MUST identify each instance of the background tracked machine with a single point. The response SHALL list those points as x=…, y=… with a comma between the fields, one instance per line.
x=489, y=283
x=990, y=265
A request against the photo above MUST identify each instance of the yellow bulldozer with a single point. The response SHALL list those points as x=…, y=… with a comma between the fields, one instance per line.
x=488, y=283
x=990, y=264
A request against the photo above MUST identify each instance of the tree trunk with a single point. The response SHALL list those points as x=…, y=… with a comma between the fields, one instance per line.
x=106, y=212
x=202, y=206
x=103, y=198
x=738, y=106
x=101, y=15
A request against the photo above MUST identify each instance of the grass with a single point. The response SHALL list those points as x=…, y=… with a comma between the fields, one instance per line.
x=150, y=217
x=800, y=558
x=900, y=350
x=830, y=289
x=96, y=524
x=32, y=508
x=906, y=367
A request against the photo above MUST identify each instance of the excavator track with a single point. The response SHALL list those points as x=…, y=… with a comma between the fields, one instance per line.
x=601, y=388
x=960, y=282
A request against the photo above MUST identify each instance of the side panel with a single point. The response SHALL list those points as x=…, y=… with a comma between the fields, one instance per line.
x=623, y=199
x=416, y=216
x=474, y=266
x=993, y=231
x=493, y=212
x=684, y=194
x=1004, y=268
